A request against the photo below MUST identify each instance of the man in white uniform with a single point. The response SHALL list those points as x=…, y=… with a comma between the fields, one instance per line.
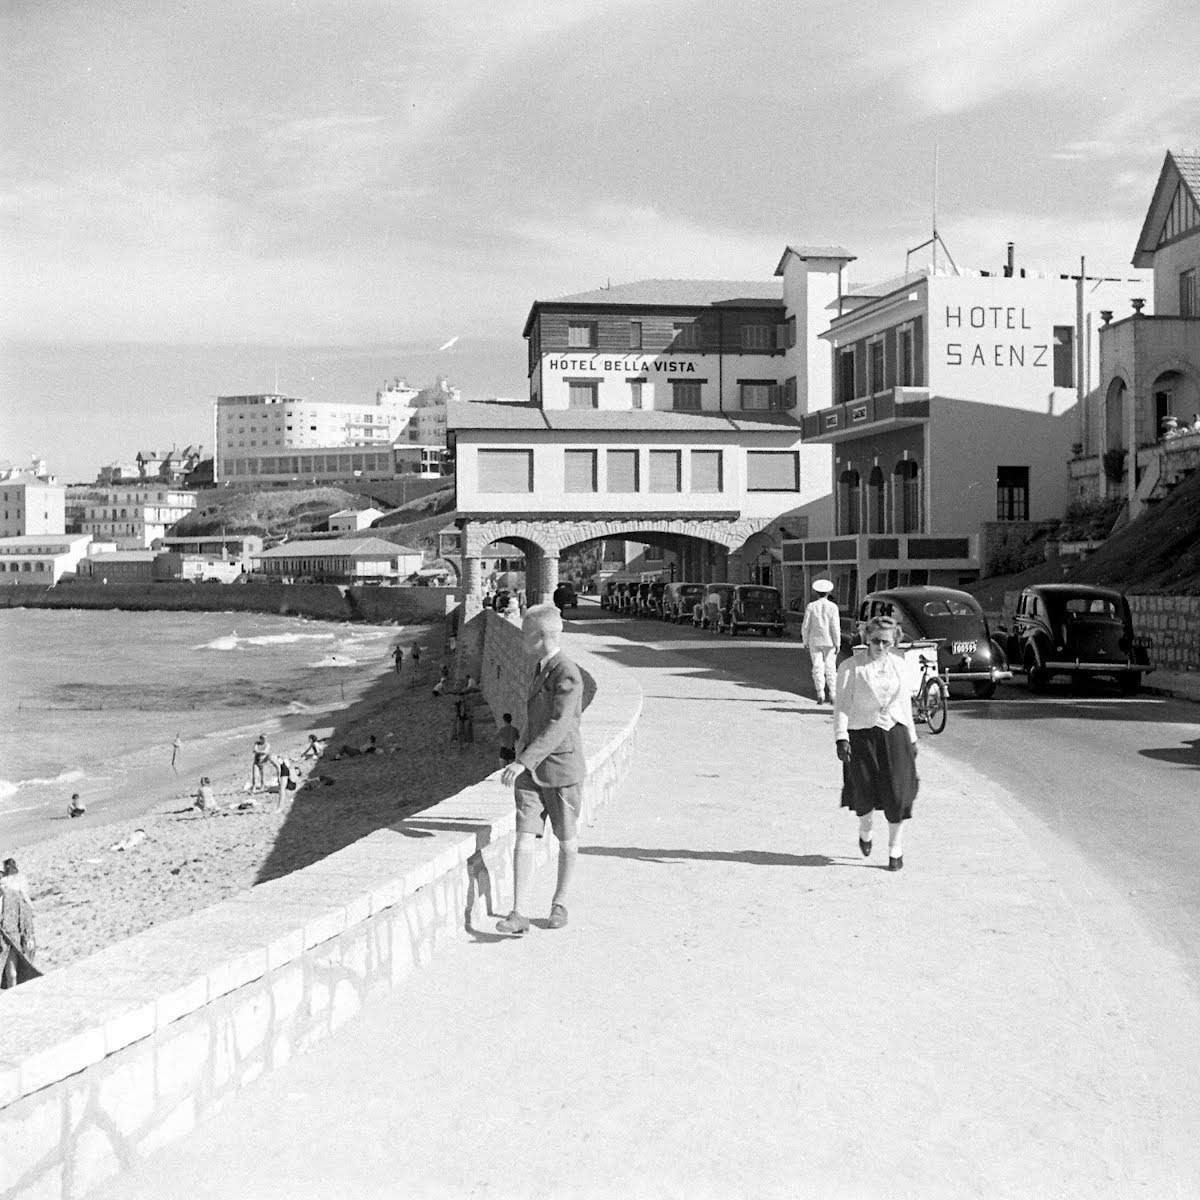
x=821, y=633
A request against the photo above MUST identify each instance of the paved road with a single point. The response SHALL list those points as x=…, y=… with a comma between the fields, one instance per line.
x=1117, y=777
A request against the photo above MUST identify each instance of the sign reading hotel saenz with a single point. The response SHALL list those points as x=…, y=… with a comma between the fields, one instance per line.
x=1006, y=353
x=631, y=366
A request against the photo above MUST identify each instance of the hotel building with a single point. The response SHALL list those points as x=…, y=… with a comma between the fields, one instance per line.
x=29, y=505
x=134, y=516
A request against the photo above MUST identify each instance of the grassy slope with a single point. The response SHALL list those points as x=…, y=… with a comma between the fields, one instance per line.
x=272, y=512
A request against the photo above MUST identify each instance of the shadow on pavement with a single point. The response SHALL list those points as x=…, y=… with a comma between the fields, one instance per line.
x=754, y=858
x=1187, y=754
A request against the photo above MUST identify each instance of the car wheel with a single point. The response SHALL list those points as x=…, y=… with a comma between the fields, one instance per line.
x=984, y=690
x=733, y=629
x=1130, y=683
x=1035, y=673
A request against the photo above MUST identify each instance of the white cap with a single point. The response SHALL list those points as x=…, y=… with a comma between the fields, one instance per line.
x=822, y=585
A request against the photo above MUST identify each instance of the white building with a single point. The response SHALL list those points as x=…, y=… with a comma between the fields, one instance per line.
x=339, y=560
x=41, y=559
x=30, y=505
x=133, y=516
x=352, y=520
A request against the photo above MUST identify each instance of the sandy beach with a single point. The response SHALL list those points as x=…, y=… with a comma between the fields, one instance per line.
x=88, y=894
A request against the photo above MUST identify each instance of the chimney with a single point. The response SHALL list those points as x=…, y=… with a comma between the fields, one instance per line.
x=1008, y=267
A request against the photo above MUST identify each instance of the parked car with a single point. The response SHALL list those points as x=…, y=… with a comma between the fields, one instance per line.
x=755, y=606
x=608, y=594
x=710, y=612
x=564, y=596
x=967, y=651
x=653, y=607
x=641, y=597
x=625, y=597
x=679, y=599
x=1071, y=629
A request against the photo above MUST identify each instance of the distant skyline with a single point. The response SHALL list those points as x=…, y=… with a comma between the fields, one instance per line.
x=345, y=187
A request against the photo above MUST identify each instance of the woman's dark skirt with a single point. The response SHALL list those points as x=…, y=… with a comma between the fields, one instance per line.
x=881, y=773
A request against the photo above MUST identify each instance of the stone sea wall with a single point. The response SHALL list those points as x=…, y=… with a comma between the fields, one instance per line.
x=407, y=605
x=122, y=1052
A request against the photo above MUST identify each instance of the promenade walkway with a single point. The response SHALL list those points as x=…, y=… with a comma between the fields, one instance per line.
x=743, y=1006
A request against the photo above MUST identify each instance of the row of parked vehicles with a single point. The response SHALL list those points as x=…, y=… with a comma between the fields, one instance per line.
x=731, y=608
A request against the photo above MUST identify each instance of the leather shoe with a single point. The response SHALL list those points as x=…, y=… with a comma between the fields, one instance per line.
x=513, y=923
x=896, y=864
x=865, y=847
x=558, y=916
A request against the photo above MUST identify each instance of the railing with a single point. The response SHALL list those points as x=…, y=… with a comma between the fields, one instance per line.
x=898, y=404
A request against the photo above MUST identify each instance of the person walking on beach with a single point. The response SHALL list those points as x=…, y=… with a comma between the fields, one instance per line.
x=507, y=739
x=821, y=634
x=398, y=658
x=176, y=746
x=415, y=655
x=260, y=756
x=548, y=772
x=876, y=739
x=17, y=943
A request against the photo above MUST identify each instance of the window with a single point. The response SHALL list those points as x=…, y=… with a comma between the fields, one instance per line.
x=1189, y=293
x=706, y=471
x=505, y=470
x=905, y=373
x=876, y=504
x=1012, y=493
x=758, y=337
x=772, y=471
x=622, y=470
x=845, y=374
x=635, y=335
x=687, y=335
x=791, y=332
x=758, y=394
x=635, y=392
x=685, y=397
x=1064, y=356
x=664, y=470
x=583, y=394
x=581, y=335
x=906, y=504
x=849, y=502
x=579, y=471
x=875, y=365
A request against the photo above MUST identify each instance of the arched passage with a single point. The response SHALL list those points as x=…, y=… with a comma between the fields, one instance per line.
x=849, y=495
x=906, y=502
x=1173, y=394
x=674, y=556
x=1114, y=415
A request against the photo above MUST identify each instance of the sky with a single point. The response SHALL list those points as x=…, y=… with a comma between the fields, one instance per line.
x=196, y=195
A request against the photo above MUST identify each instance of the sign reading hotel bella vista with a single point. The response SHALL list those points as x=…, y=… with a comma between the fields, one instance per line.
x=631, y=365
x=998, y=351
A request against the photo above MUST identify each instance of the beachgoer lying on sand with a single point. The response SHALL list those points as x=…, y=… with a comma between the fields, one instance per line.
x=348, y=751
x=206, y=801
x=136, y=838
x=77, y=807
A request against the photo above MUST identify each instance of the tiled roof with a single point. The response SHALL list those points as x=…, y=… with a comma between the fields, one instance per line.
x=801, y=250
x=341, y=547
x=1181, y=164
x=1188, y=162
x=525, y=417
x=682, y=292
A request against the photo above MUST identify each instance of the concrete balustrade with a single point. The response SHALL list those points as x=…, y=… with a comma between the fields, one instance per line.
x=122, y=1052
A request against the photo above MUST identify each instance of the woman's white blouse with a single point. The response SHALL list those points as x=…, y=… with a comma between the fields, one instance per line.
x=872, y=694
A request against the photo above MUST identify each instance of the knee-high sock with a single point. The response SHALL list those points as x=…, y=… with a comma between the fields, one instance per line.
x=864, y=826
x=522, y=872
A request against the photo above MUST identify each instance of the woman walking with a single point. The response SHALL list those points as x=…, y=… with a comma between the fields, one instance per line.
x=876, y=738
x=17, y=944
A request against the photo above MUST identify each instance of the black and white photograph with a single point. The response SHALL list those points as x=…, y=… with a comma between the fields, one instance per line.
x=599, y=600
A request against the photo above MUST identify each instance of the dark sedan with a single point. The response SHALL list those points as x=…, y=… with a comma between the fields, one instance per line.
x=1072, y=629
x=967, y=652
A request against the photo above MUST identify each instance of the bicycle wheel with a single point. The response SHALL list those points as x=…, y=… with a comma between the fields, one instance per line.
x=934, y=704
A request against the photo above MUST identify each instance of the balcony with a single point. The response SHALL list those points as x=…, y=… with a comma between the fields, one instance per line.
x=894, y=409
x=886, y=549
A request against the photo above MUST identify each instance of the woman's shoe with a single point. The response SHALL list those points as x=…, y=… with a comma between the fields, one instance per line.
x=865, y=847
x=896, y=864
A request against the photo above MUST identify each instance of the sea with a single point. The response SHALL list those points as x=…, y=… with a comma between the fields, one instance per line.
x=92, y=700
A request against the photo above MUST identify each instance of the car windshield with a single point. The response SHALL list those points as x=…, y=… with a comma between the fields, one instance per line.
x=947, y=608
x=1092, y=606
x=760, y=595
x=691, y=589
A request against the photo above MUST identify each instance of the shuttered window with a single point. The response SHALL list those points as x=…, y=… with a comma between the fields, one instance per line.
x=760, y=394
x=505, y=471
x=581, y=335
x=706, y=471
x=664, y=471
x=579, y=471
x=772, y=471
x=622, y=470
x=758, y=337
x=685, y=397
x=582, y=395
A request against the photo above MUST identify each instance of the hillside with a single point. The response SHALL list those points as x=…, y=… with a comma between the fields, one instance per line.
x=272, y=513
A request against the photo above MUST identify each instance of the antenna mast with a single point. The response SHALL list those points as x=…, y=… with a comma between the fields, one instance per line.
x=936, y=239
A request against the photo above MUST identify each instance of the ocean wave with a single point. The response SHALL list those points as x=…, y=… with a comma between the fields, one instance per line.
x=336, y=660
x=222, y=643
x=8, y=788
x=283, y=639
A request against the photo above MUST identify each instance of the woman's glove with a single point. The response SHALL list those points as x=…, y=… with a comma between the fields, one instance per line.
x=843, y=750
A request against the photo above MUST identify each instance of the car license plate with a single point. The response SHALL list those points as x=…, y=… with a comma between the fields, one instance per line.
x=964, y=647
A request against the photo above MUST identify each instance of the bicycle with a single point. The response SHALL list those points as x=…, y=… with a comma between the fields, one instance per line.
x=930, y=698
